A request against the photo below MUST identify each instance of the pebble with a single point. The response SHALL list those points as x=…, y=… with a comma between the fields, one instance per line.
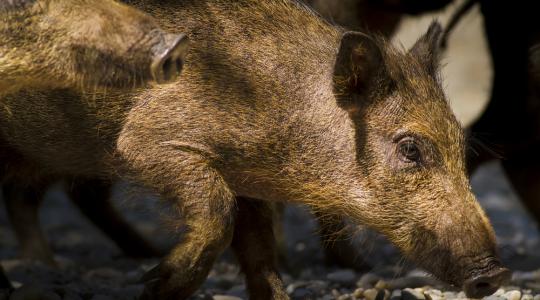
x=381, y=284
x=536, y=297
x=396, y=295
x=370, y=294
x=367, y=280
x=512, y=295
x=527, y=297
x=293, y=286
x=410, y=294
x=449, y=295
x=433, y=294
x=493, y=297
x=33, y=292
x=358, y=293
x=345, y=277
x=226, y=297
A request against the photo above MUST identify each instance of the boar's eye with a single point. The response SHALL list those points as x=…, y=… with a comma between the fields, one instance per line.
x=409, y=151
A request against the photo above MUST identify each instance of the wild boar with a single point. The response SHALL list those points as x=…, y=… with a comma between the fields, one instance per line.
x=275, y=105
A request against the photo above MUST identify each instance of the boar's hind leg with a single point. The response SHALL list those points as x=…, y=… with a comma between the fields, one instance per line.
x=206, y=205
x=22, y=205
x=92, y=196
x=524, y=173
x=254, y=245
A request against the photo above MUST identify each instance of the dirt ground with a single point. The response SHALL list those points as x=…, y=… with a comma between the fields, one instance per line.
x=91, y=267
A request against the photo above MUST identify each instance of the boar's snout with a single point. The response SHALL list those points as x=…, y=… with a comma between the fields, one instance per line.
x=168, y=57
x=487, y=281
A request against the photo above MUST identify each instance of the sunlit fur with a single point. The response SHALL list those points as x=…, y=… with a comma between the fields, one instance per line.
x=74, y=43
x=255, y=114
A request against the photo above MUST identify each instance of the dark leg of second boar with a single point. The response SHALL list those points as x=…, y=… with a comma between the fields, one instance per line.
x=92, y=197
x=22, y=205
x=254, y=244
x=523, y=172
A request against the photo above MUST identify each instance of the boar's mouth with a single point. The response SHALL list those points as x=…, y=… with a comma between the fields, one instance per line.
x=487, y=279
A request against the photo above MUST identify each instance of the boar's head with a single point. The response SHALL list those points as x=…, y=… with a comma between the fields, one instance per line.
x=411, y=155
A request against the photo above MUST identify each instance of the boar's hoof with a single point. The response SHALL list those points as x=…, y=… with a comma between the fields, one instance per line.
x=487, y=283
x=169, y=58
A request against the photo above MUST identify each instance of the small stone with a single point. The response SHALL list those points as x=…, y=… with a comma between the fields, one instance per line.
x=33, y=292
x=461, y=295
x=449, y=295
x=335, y=293
x=499, y=292
x=301, y=293
x=370, y=294
x=512, y=295
x=345, y=277
x=536, y=297
x=433, y=294
x=493, y=297
x=344, y=297
x=226, y=297
x=358, y=293
x=381, y=284
x=527, y=297
x=396, y=295
x=293, y=286
x=367, y=280
x=410, y=294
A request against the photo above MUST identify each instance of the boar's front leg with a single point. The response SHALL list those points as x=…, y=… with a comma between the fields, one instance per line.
x=254, y=245
x=22, y=205
x=205, y=204
x=92, y=196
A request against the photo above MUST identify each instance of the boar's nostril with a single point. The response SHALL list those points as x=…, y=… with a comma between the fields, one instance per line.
x=169, y=60
x=486, y=284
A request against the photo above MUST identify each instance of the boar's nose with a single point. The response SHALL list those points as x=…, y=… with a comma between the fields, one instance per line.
x=487, y=283
x=169, y=57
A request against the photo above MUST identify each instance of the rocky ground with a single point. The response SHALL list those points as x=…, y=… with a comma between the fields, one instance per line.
x=90, y=267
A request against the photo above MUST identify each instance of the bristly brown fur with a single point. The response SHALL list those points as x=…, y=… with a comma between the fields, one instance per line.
x=255, y=115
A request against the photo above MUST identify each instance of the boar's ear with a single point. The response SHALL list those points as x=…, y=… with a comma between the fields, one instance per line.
x=426, y=49
x=358, y=62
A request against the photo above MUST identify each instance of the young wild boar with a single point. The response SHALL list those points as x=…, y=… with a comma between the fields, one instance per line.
x=275, y=105
x=80, y=45
x=83, y=44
